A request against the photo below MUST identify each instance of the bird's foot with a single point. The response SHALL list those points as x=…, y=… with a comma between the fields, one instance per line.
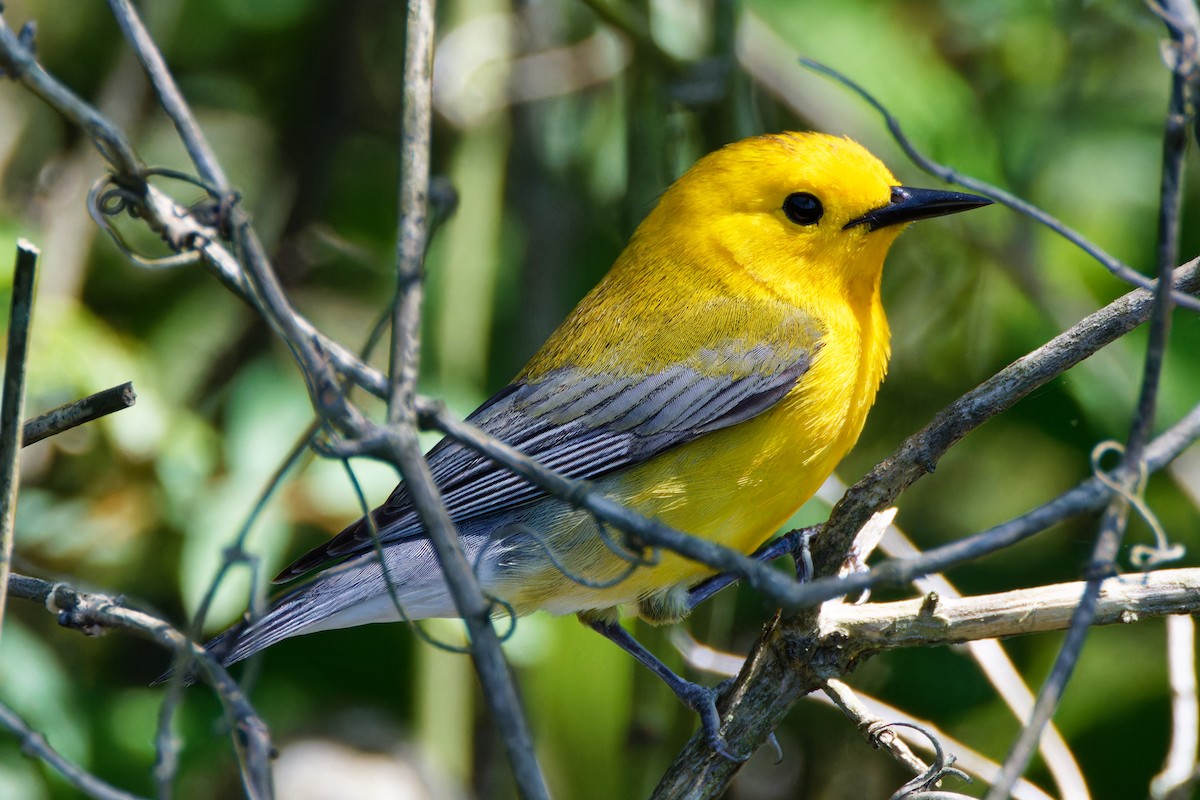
x=703, y=700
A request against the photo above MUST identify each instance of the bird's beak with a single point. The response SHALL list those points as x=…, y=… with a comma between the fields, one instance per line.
x=909, y=205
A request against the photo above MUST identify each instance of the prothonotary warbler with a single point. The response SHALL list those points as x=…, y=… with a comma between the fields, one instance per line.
x=712, y=380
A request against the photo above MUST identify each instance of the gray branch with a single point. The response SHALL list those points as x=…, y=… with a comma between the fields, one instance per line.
x=80, y=412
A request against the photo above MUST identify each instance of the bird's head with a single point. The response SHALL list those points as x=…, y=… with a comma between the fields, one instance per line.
x=803, y=213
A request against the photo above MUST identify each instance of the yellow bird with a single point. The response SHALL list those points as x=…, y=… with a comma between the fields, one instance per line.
x=712, y=380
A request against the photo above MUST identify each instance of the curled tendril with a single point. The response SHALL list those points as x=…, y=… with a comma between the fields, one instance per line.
x=1143, y=557
x=510, y=613
x=574, y=577
x=943, y=765
x=109, y=199
x=630, y=550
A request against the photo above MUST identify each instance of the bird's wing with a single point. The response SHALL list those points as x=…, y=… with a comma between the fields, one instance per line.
x=583, y=426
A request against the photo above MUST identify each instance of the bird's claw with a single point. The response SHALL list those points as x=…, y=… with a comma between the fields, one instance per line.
x=703, y=700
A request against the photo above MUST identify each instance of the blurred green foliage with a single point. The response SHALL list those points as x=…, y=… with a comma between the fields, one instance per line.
x=558, y=135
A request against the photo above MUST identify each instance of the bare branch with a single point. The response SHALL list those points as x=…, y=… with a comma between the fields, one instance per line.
x=80, y=412
x=168, y=93
x=872, y=726
x=932, y=620
x=35, y=745
x=92, y=614
x=413, y=228
x=18, y=62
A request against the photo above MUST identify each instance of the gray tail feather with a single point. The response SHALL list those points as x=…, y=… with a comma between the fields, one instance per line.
x=300, y=610
x=352, y=593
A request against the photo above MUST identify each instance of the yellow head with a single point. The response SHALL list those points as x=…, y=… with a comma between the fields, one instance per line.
x=803, y=213
x=752, y=233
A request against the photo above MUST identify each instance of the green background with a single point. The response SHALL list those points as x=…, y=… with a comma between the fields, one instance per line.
x=554, y=163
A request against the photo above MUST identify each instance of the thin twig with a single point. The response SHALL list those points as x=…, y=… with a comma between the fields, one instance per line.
x=78, y=413
x=403, y=446
x=93, y=613
x=20, y=64
x=1113, y=522
x=168, y=93
x=918, y=455
x=24, y=272
x=1113, y=264
x=868, y=724
x=34, y=744
x=1088, y=497
x=166, y=745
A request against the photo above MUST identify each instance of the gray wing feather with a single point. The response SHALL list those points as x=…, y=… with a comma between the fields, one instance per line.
x=583, y=427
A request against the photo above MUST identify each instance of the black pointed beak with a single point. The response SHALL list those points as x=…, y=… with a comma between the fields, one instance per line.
x=909, y=205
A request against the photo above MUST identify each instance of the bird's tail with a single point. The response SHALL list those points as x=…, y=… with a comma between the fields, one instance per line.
x=352, y=593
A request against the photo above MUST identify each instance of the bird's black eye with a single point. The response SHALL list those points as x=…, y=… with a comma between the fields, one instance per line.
x=803, y=208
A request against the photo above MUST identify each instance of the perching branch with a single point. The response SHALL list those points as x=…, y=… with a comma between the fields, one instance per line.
x=847, y=634
x=869, y=628
x=996, y=666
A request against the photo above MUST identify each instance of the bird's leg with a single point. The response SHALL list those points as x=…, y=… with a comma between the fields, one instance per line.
x=794, y=544
x=701, y=699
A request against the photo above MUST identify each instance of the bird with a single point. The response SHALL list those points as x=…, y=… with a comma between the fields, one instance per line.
x=712, y=380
